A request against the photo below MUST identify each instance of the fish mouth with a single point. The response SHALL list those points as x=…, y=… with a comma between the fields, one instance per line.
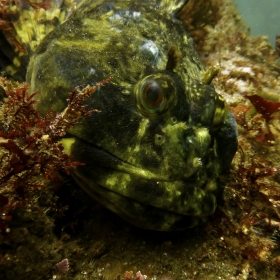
x=131, y=191
x=118, y=165
x=96, y=157
x=139, y=214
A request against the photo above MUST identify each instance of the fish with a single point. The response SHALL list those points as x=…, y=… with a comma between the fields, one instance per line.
x=158, y=149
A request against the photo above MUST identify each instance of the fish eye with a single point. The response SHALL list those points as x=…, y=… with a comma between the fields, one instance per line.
x=154, y=94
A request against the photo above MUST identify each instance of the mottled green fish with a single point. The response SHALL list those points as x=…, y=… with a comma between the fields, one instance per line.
x=155, y=152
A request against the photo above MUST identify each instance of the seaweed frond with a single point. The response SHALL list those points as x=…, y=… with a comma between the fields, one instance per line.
x=30, y=152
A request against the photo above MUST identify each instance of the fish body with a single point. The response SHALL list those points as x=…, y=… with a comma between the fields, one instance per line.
x=155, y=152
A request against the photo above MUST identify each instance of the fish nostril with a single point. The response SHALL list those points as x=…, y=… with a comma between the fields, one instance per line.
x=159, y=139
x=174, y=120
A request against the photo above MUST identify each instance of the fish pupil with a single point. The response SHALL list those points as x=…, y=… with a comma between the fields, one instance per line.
x=153, y=93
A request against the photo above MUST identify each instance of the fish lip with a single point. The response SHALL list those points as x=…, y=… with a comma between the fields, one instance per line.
x=101, y=158
x=121, y=165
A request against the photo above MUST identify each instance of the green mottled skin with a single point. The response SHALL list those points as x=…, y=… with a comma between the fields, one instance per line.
x=157, y=167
